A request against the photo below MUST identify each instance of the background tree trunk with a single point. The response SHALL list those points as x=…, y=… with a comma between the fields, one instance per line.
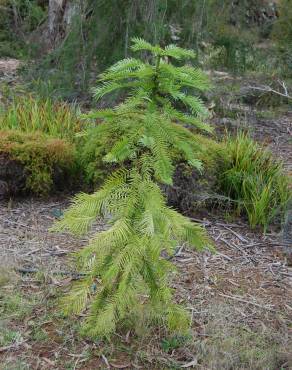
x=55, y=19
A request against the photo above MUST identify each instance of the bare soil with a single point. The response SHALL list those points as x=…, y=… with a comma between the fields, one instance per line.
x=9, y=65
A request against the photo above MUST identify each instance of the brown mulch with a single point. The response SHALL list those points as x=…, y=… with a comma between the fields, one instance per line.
x=25, y=239
x=249, y=269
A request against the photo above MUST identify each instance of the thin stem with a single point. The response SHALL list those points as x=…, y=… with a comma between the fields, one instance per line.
x=155, y=79
x=157, y=64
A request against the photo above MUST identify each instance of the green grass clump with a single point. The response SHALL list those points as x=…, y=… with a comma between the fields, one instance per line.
x=255, y=180
x=40, y=156
x=29, y=114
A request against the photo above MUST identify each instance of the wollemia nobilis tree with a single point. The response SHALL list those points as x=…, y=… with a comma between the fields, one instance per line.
x=127, y=277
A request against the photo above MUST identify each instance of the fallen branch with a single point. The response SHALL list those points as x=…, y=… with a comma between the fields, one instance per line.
x=75, y=275
x=12, y=346
x=247, y=302
x=241, y=238
x=266, y=88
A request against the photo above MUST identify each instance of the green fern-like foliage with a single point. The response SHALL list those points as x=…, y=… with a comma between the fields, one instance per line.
x=128, y=273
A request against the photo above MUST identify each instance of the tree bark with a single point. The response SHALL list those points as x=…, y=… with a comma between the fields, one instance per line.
x=55, y=19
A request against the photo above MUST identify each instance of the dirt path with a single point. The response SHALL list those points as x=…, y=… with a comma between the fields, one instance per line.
x=9, y=66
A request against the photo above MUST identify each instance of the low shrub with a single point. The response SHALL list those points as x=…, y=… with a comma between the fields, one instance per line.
x=41, y=156
x=255, y=180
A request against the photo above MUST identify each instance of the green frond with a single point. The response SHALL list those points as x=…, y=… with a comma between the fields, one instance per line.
x=195, y=104
x=102, y=113
x=76, y=301
x=128, y=74
x=126, y=64
x=101, y=323
x=198, y=78
x=146, y=224
x=178, y=319
x=139, y=44
x=138, y=98
x=120, y=151
x=109, y=87
x=105, y=88
x=82, y=213
x=183, y=76
x=196, y=237
x=163, y=167
x=196, y=163
x=178, y=53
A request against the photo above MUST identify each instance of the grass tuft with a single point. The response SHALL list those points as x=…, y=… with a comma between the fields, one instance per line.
x=255, y=180
x=29, y=114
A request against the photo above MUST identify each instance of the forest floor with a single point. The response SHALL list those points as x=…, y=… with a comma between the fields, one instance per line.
x=239, y=298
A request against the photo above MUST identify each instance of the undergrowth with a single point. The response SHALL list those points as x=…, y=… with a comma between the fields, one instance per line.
x=40, y=156
x=255, y=180
x=18, y=18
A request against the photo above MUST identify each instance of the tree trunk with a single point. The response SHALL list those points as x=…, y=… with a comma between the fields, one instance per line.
x=55, y=20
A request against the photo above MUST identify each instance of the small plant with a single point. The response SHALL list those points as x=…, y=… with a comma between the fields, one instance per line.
x=174, y=342
x=8, y=336
x=127, y=279
x=255, y=180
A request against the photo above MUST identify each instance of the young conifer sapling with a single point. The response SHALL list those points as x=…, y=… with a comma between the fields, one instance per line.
x=127, y=275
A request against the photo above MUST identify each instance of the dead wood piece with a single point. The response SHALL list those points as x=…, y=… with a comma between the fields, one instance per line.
x=12, y=346
x=265, y=88
x=247, y=302
x=75, y=275
x=241, y=238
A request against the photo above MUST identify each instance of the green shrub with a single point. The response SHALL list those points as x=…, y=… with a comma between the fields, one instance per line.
x=235, y=49
x=282, y=29
x=17, y=19
x=255, y=180
x=128, y=280
x=40, y=156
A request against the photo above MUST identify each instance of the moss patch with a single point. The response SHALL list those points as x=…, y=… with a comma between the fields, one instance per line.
x=40, y=156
